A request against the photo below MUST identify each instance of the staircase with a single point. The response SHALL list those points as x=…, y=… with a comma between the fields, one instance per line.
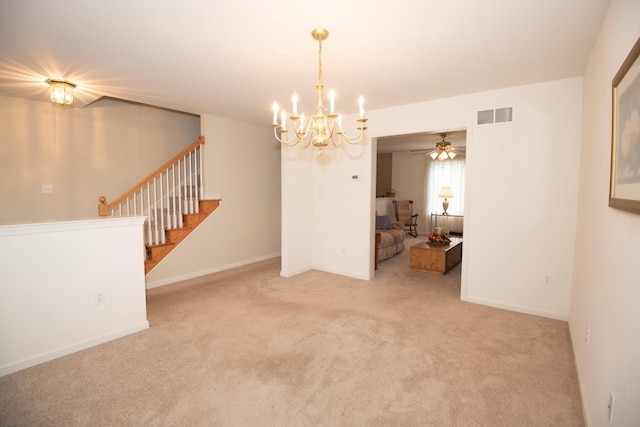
x=171, y=199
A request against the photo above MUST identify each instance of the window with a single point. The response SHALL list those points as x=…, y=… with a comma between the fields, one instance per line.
x=448, y=173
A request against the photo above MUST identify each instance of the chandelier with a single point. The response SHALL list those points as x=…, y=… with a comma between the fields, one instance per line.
x=320, y=128
x=61, y=91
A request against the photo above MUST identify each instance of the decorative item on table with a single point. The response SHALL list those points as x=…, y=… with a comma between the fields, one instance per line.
x=438, y=237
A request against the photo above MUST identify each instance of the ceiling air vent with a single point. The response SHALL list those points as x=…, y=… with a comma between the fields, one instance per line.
x=499, y=115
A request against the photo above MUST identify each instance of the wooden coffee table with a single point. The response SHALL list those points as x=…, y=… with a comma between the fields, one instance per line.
x=437, y=259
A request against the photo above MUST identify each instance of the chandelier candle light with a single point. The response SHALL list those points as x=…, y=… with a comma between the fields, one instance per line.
x=319, y=128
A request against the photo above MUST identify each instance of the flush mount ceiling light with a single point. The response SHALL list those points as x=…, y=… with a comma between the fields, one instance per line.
x=61, y=91
x=319, y=128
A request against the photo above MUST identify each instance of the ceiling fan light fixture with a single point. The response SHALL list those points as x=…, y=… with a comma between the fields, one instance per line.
x=443, y=150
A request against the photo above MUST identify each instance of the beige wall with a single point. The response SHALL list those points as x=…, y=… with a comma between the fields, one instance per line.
x=101, y=149
x=383, y=173
x=242, y=166
x=606, y=284
x=408, y=181
x=105, y=148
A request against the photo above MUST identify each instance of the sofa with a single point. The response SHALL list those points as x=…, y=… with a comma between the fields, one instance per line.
x=389, y=238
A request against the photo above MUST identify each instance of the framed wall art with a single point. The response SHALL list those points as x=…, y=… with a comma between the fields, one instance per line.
x=624, y=189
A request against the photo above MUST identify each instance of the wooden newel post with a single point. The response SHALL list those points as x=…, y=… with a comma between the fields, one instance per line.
x=102, y=206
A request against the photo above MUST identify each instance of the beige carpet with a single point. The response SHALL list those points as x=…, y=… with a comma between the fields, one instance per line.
x=247, y=347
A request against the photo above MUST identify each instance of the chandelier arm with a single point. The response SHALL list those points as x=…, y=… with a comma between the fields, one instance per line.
x=336, y=135
x=303, y=132
x=283, y=139
x=355, y=139
x=303, y=129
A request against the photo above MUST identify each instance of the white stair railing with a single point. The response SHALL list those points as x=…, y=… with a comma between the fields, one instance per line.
x=164, y=196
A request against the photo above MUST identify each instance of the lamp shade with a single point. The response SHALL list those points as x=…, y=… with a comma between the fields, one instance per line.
x=446, y=192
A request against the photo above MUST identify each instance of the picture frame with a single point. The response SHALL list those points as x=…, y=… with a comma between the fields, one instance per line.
x=624, y=188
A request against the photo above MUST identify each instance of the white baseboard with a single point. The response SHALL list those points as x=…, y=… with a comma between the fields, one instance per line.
x=66, y=350
x=517, y=308
x=586, y=415
x=342, y=273
x=212, y=270
x=294, y=273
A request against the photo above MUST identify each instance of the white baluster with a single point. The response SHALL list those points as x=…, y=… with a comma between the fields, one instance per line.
x=200, y=171
x=191, y=210
x=184, y=185
x=174, y=219
x=161, y=229
x=179, y=186
x=149, y=233
x=196, y=191
x=156, y=237
x=168, y=197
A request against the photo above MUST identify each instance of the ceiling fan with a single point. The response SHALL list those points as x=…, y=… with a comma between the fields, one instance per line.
x=443, y=150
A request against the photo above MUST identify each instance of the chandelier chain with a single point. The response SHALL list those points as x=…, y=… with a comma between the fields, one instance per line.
x=320, y=62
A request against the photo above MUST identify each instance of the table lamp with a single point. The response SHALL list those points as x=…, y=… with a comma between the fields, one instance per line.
x=446, y=193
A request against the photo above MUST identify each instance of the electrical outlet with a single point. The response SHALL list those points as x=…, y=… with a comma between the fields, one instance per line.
x=610, y=407
x=587, y=333
x=99, y=297
x=46, y=189
x=547, y=280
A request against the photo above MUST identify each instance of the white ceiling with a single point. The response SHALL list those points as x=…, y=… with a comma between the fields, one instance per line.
x=233, y=58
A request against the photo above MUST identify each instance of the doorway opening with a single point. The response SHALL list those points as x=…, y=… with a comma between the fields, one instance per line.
x=410, y=167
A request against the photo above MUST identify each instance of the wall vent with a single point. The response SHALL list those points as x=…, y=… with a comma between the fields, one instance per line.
x=499, y=115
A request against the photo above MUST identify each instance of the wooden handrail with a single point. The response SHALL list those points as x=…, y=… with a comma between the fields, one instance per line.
x=133, y=189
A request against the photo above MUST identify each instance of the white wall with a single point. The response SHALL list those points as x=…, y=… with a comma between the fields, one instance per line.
x=298, y=213
x=344, y=211
x=520, y=206
x=101, y=149
x=242, y=166
x=49, y=276
x=333, y=212
x=606, y=285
